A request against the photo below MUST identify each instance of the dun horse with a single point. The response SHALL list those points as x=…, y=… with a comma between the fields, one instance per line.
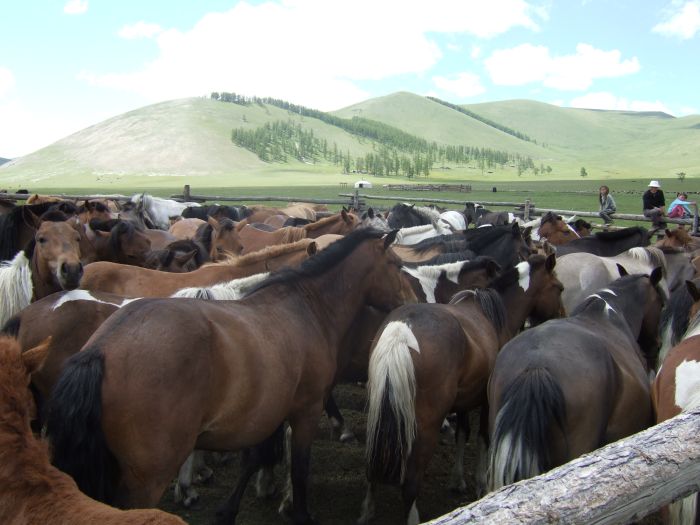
x=572, y=385
x=116, y=423
x=432, y=359
x=33, y=491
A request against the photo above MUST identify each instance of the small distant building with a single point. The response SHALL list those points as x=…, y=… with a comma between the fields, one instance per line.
x=363, y=184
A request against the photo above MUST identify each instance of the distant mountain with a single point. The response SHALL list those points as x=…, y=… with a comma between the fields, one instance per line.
x=3, y=160
x=190, y=140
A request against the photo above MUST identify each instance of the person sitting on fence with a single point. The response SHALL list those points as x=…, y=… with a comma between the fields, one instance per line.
x=680, y=208
x=654, y=202
x=607, y=204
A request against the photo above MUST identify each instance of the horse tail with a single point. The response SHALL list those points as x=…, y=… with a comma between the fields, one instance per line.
x=74, y=426
x=519, y=446
x=391, y=418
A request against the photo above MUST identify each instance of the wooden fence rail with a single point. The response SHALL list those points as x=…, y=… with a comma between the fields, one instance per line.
x=619, y=483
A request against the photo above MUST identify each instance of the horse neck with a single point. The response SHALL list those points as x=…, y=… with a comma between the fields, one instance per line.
x=518, y=306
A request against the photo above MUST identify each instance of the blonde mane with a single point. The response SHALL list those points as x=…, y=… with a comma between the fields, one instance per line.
x=268, y=252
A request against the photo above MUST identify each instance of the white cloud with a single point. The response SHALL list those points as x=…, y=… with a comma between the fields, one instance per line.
x=75, y=7
x=463, y=85
x=605, y=100
x=292, y=50
x=687, y=110
x=475, y=52
x=7, y=82
x=682, y=22
x=527, y=64
x=140, y=29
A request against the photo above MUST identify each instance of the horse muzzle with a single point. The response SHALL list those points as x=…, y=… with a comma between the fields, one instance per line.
x=69, y=275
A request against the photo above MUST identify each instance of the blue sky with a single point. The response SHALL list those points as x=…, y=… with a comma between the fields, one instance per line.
x=68, y=64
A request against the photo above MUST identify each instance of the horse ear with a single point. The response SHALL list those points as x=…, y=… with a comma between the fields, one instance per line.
x=312, y=248
x=370, y=213
x=346, y=218
x=621, y=270
x=656, y=275
x=213, y=223
x=693, y=291
x=492, y=268
x=668, y=233
x=345, y=209
x=550, y=262
x=516, y=228
x=389, y=238
x=33, y=359
x=527, y=231
x=183, y=258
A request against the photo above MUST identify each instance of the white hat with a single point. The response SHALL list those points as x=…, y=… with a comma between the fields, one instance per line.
x=654, y=184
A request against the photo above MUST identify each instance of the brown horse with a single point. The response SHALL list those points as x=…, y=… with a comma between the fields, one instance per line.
x=429, y=360
x=676, y=389
x=132, y=281
x=555, y=230
x=572, y=385
x=95, y=210
x=34, y=491
x=49, y=263
x=185, y=228
x=178, y=257
x=242, y=382
x=114, y=240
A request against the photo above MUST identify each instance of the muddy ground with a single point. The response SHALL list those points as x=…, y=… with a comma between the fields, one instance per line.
x=337, y=484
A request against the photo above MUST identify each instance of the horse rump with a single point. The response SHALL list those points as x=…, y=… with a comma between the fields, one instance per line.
x=74, y=426
x=519, y=444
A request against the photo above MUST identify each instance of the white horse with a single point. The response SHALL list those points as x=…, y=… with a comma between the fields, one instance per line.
x=160, y=210
x=415, y=234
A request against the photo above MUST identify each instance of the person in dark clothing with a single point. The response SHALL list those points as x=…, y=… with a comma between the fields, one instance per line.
x=654, y=205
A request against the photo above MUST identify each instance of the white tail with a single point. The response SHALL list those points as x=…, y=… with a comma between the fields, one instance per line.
x=391, y=374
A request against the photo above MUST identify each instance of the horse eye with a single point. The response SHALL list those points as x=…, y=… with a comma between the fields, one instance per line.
x=41, y=240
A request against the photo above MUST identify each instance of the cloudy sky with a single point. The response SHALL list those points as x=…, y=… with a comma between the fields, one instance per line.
x=68, y=64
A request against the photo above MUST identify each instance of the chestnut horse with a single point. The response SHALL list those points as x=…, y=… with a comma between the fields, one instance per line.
x=33, y=491
x=429, y=360
x=676, y=389
x=115, y=422
x=133, y=281
x=114, y=240
x=572, y=385
x=556, y=230
x=50, y=262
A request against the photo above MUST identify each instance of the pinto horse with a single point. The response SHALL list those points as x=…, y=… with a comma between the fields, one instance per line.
x=42, y=493
x=676, y=389
x=125, y=440
x=133, y=281
x=572, y=385
x=429, y=360
x=50, y=262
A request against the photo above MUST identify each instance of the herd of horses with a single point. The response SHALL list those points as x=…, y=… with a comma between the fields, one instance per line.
x=137, y=335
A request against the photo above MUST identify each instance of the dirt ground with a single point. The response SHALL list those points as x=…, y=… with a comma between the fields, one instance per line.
x=337, y=484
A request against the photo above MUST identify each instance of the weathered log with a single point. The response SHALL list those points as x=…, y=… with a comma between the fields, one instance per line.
x=618, y=483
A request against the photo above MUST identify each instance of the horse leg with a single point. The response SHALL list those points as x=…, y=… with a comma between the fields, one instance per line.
x=482, y=444
x=202, y=472
x=303, y=430
x=266, y=453
x=457, y=482
x=337, y=421
x=367, y=505
x=184, y=492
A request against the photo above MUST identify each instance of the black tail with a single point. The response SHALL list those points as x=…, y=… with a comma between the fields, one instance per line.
x=519, y=445
x=74, y=426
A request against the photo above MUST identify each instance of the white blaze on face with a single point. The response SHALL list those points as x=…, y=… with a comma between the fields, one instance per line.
x=524, y=275
x=688, y=385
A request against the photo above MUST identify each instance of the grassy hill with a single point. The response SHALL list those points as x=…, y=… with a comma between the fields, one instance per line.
x=189, y=141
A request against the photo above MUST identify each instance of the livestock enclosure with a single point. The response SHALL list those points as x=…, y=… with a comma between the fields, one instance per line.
x=661, y=470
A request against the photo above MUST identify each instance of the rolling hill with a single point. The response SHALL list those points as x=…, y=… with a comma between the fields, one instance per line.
x=189, y=140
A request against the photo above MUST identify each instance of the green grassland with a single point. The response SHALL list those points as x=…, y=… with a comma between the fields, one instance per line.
x=182, y=141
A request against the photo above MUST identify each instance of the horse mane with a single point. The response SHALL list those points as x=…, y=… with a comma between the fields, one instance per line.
x=490, y=302
x=166, y=255
x=321, y=223
x=676, y=314
x=274, y=250
x=481, y=237
x=226, y=291
x=444, y=258
x=427, y=213
x=122, y=227
x=322, y=261
x=8, y=235
x=650, y=255
x=54, y=216
x=292, y=234
x=624, y=233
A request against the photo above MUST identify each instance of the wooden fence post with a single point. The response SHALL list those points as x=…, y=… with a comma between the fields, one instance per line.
x=526, y=210
x=186, y=193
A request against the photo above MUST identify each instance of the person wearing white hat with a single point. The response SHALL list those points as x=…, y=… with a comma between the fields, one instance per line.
x=654, y=204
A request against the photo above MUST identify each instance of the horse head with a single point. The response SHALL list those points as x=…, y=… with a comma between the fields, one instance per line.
x=56, y=254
